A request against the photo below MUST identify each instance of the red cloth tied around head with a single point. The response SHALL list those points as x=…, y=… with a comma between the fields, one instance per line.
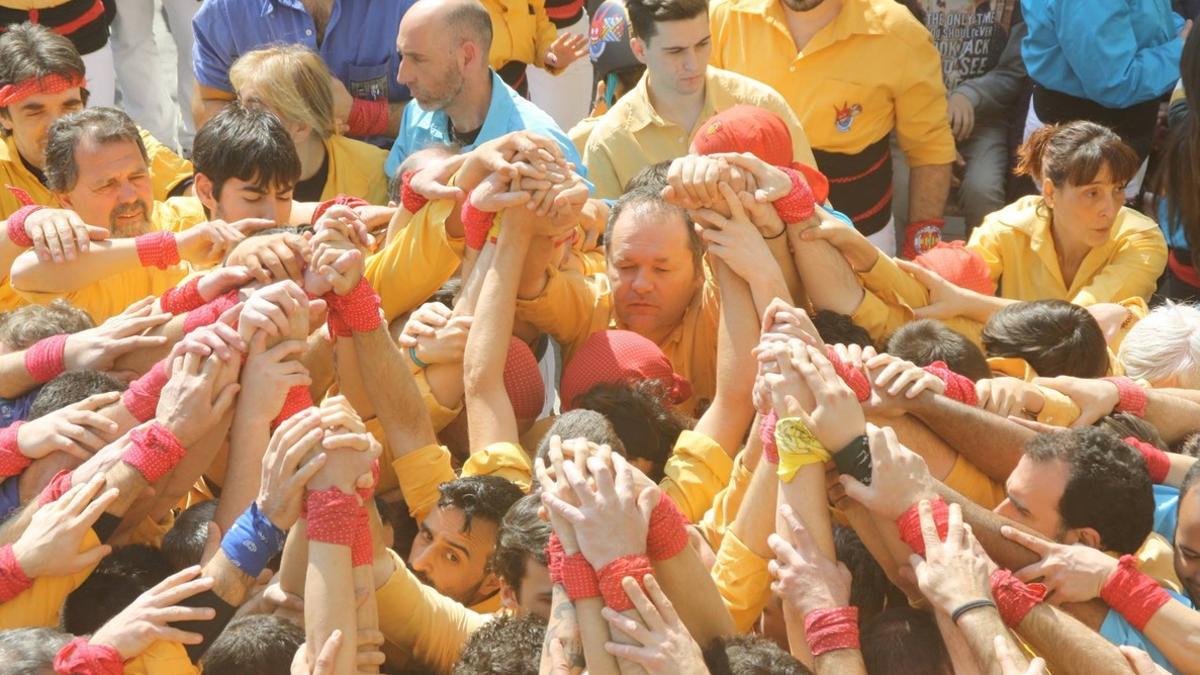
x=766, y=434
x=828, y=630
x=523, y=381
x=340, y=200
x=668, y=533
x=357, y=310
x=80, y=657
x=746, y=128
x=157, y=249
x=1158, y=463
x=16, y=224
x=954, y=262
x=611, y=575
x=13, y=580
x=12, y=462
x=1132, y=398
x=44, y=360
x=298, y=399
x=1132, y=594
x=55, y=83
x=410, y=199
x=56, y=488
x=141, y=398
x=208, y=313
x=1015, y=598
x=958, y=387
x=154, y=451
x=476, y=224
x=909, y=524
x=368, y=117
x=332, y=515
x=620, y=357
x=183, y=298
x=853, y=377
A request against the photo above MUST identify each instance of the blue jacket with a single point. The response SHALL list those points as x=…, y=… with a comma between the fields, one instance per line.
x=1117, y=53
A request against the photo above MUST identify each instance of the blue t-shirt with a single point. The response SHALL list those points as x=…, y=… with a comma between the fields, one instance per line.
x=359, y=44
x=1166, y=511
x=1118, y=631
x=507, y=112
x=1117, y=53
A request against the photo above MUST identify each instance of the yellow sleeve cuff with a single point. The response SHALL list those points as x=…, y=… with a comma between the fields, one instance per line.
x=506, y=460
x=419, y=473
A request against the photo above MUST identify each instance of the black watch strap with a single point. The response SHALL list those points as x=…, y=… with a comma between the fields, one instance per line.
x=855, y=459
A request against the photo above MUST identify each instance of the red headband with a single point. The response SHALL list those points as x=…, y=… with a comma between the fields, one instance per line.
x=50, y=84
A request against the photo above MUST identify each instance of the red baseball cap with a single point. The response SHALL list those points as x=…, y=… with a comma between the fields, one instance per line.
x=746, y=128
x=954, y=262
x=523, y=381
x=616, y=357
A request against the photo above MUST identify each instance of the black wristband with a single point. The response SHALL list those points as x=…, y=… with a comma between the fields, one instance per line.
x=855, y=459
x=209, y=630
x=968, y=606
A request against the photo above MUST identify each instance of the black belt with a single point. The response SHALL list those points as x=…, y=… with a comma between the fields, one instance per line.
x=1135, y=124
x=860, y=185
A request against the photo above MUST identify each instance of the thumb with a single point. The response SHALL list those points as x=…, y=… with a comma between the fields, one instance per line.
x=648, y=500
x=225, y=400
x=96, y=233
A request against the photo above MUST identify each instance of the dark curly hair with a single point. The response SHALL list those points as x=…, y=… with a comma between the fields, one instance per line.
x=750, y=655
x=639, y=412
x=487, y=497
x=523, y=535
x=508, y=645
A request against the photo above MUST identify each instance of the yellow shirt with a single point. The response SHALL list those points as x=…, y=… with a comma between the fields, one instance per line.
x=110, y=296
x=416, y=262
x=40, y=605
x=1017, y=240
x=969, y=481
x=355, y=169
x=521, y=31
x=162, y=658
x=725, y=504
x=743, y=581
x=419, y=473
x=581, y=132
x=167, y=170
x=873, y=69
x=696, y=471
x=890, y=298
x=573, y=306
x=632, y=135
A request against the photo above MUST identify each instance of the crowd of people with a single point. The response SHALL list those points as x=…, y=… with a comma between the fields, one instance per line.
x=484, y=337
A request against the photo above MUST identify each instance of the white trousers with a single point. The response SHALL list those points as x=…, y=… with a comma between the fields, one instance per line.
x=567, y=97
x=101, y=78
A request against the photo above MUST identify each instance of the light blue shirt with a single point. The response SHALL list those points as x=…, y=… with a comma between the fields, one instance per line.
x=1117, y=53
x=507, y=112
x=1166, y=511
x=1118, y=631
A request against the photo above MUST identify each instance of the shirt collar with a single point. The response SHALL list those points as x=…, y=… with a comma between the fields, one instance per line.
x=495, y=123
x=268, y=6
x=857, y=17
x=640, y=112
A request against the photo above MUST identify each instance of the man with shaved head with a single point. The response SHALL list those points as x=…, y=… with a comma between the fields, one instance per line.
x=457, y=98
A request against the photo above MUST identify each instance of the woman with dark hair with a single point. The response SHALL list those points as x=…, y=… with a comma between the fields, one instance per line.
x=1178, y=177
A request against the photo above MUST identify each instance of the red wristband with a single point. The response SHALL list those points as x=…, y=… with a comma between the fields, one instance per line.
x=183, y=298
x=476, y=224
x=958, y=387
x=668, y=533
x=340, y=200
x=80, y=657
x=922, y=236
x=554, y=558
x=909, y=524
x=368, y=117
x=1015, y=598
x=766, y=434
x=853, y=377
x=208, y=313
x=1132, y=396
x=12, y=462
x=337, y=327
x=141, y=398
x=331, y=516
x=1158, y=463
x=831, y=629
x=800, y=204
x=410, y=199
x=298, y=399
x=358, y=310
x=13, y=580
x=56, y=488
x=579, y=580
x=16, y=225
x=44, y=361
x=362, y=551
x=611, y=575
x=157, y=249
x=154, y=451
x=1132, y=594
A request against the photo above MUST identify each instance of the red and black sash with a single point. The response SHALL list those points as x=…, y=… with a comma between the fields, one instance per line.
x=860, y=185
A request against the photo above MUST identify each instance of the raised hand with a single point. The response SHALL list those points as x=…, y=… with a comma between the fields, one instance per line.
x=565, y=50
x=147, y=619
x=78, y=430
x=954, y=571
x=946, y=300
x=207, y=242
x=734, y=239
x=49, y=546
x=1007, y=396
x=346, y=222
x=805, y=578
x=270, y=373
x=271, y=310
x=293, y=457
x=99, y=348
x=835, y=416
x=59, y=235
x=662, y=643
x=899, y=479
x=1095, y=398
x=1071, y=573
x=197, y=396
x=901, y=378
x=272, y=257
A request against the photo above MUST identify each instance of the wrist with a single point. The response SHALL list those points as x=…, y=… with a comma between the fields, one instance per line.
x=157, y=249
x=25, y=560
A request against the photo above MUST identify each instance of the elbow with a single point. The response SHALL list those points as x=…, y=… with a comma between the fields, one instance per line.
x=28, y=274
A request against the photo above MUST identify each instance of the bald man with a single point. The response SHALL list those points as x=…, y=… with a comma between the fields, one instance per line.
x=457, y=98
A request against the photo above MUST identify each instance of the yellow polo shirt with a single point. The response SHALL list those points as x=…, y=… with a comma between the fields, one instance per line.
x=40, y=605
x=110, y=296
x=521, y=31
x=573, y=306
x=416, y=262
x=632, y=135
x=1018, y=246
x=891, y=295
x=873, y=69
x=167, y=170
x=162, y=658
x=355, y=169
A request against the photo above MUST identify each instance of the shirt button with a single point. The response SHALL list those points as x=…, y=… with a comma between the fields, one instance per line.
x=792, y=68
x=309, y=33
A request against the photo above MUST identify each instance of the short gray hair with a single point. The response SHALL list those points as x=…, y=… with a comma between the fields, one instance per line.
x=649, y=198
x=1165, y=344
x=100, y=125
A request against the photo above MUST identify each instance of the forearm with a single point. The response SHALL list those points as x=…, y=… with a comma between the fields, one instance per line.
x=1175, y=630
x=14, y=378
x=534, y=277
x=1174, y=417
x=782, y=253
x=990, y=442
x=593, y=633
x=687, y=583
x=726, y=419
x=828, y=279
x=390, y=384
x=395, y=114
x=327, y=585
x=929, y=186
x=102, y=259
x=248, y=441
x=978, y=627
x=962, y=657
x=755, y=520
x=293, y=565
x=840, y=662
x=806, y=494
x=350, y=379
x=1068, y=645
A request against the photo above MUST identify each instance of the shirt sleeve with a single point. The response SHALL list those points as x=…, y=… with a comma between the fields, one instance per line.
x=986, y=241
x=1097, y=41
x=418, y=620
x=162, y=658
x=743, y=581
x=1132, y=272
x=416, y=262
x=506, y=460
x=696, y=471
x=601, y=170
x=213, y=51
x=419, y=474
x=569, y=309
x=922, y=122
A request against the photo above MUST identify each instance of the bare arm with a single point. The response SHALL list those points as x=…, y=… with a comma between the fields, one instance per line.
x=929, y=186
x=726, y=419
x=991, y=442
x=830, y=282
